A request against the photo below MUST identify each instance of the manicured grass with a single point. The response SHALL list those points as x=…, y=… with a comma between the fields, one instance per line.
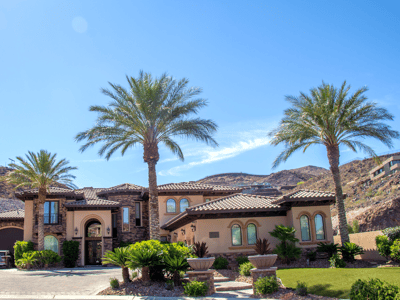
x=335, y=282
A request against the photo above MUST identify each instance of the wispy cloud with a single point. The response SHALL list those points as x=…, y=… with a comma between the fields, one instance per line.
x=236, y=142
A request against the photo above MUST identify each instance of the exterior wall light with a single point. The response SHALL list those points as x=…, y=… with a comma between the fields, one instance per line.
x=108, y=230
x=183, y=231
x=193, y=227
x=76, y=230
x=175, y=234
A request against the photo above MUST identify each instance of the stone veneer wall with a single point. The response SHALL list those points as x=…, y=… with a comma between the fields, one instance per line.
x=135, y=233
x=13, y=223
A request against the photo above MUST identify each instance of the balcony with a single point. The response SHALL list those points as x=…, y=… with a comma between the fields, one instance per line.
x=50, y=219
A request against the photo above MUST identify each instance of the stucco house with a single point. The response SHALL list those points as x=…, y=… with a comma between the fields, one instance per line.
x=227, y=220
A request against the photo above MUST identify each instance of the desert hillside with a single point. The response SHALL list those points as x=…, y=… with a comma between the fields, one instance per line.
x=285, y=177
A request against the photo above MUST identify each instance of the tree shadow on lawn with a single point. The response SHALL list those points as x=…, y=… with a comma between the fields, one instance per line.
x=323, y=290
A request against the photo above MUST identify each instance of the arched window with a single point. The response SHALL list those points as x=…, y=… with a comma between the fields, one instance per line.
x=251, y=234
x=319, y=227
x=305, y=228
x=236, y=235
x=183, y=204
x=171, y=206
x=51, y=243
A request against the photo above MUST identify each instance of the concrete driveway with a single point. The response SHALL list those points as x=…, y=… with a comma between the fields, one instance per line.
x=78, y=281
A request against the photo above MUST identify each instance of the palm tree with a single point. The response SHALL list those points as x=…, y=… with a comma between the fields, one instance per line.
x=119, y=257
x=332, y=117
x=150, y=112
x=40, y=170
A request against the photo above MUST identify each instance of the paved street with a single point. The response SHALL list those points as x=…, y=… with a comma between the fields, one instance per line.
x=78, y=281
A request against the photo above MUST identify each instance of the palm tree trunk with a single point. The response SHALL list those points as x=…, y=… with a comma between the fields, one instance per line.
x=125, y=274
x=154, y=223
x=42, y=199
x=333, y=156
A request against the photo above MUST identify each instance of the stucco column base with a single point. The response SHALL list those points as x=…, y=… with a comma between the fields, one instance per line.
x=204, y=276
x=260, y=273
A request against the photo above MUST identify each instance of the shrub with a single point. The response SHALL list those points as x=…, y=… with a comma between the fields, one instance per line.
x=114, y=283
x=266, y=285
x=174, y=257
x=242, y=259
x=300, y=183
x=373, y=289
x=221, y=263
x=118, y=257
x=195, y=289
x=336, y=262
x=395, y=251
x=28, y=259
x=355, y=228
x=383, y=245
x=175, y=265
x=330, y=249
x=47, y=257
x=312, y=256
x=286, y=249
x=244, y=269
x=124, y=244
x=71, y=253
x=21, y=247
x=350, y=250
x=200, y=249
x=392, y=233
x=301, y=288
x=262, y=247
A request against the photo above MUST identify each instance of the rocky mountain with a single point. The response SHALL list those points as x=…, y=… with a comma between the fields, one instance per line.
x=375, y=204
x=285, y=177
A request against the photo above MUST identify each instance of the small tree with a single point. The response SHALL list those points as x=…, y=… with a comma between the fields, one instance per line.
x=119, y=257
x=286, y=250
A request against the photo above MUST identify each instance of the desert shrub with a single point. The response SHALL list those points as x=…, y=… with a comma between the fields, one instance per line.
x=373, y=289
x=286, y=249
x=195, y=289
x=200, y=249
x=221, y=263
x=21, y=247
x=28, y=259
x=118, y=257
x=71, y=253
x=393, y=233
x=262, y=246
x=174, y=257
x=266, y=285
x=114, y=283
x=244, y=269
x=330, y=249
x=350, y=250
x=47, y=257
x=300, y=183
x=134, y=275
x=395, y=251
x=175, y=265
x=336, y=262
x=301, y=288
x=354, y=228
x=312, y=256
x=242, y=259
x=383, y=245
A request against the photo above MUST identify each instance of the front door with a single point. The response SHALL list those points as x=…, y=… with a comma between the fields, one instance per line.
x=93, y=252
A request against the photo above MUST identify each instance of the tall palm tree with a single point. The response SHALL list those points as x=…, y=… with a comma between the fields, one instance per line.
x=40, y=170
x=150, y=112
x=332, y=117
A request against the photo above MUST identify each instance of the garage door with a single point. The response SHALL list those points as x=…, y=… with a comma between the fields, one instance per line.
x=9, y=236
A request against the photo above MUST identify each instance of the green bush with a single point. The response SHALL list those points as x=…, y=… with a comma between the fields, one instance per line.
x=124, y=244
x=286, y=249
x=221, y=263
x=114, y=283
x=350, y=250
x=195, y=289
x=71, y=253
x=21, y=247
x=47, y=257
x=174, y=260
x=383, y=245
x=373, y=289
x=336, y=262
x=28, y=259
x=355, y=228
x=244, y=269
x=242, y=259
x=266, y=285
x=392, y=233
x=301, y=288
x=312, y=256
x=395, y=251
x=330, y=249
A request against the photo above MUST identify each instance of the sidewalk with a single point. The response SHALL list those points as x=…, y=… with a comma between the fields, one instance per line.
x=72, y=297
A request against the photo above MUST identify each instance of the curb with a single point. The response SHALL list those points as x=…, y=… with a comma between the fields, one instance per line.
x=113, y=297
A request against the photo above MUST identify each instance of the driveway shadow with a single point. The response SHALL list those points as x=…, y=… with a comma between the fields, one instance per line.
x=64, y=273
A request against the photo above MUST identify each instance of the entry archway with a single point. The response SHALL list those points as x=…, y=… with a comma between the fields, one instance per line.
x=93, y=242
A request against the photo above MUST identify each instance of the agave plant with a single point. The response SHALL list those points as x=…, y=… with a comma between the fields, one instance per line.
x=262, y=246
x=200, y=249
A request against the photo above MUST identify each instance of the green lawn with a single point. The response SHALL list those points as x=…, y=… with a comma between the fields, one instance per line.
x=335, y=282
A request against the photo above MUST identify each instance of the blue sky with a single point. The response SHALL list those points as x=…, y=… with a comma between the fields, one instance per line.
x=246, y=55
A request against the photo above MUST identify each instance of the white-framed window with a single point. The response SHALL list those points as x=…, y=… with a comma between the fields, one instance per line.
x=171, y=206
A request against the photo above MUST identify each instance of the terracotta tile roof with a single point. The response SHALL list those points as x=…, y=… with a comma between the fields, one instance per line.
x=92, y=203
x=13, y=214
x=125, y=187
x=51, y=190
x=90, y=193
x=306, y=195
x=194, y=186
x=235, y=202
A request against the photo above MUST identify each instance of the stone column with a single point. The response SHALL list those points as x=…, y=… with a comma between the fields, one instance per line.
x=260, y=273
x=204, y=276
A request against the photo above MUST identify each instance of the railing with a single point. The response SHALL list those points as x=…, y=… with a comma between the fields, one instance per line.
x=50, y=219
